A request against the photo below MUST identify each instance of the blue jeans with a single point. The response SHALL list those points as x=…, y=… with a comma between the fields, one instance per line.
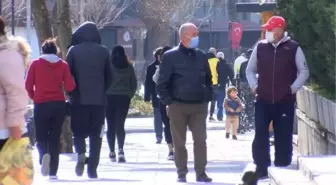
x=158, y=127
x=220, y=101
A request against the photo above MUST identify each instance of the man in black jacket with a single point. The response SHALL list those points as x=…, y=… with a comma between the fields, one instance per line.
x=89, y=64
x=150, y=94
x=225, y=73
x=184, y=85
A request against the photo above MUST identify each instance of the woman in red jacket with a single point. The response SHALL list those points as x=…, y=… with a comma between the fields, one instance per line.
x=48, y=78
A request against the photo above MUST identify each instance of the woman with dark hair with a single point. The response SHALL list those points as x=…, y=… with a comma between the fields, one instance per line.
x=163, y=112
x=48, y=78
x=119, y=95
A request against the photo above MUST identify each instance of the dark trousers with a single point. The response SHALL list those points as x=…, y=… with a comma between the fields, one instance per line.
x=282, y=115
x=88, y=121
x=157, y=122
x=116, y=114
x=192, y=116
x=165, y=120
x=213, y=101
x=49, y=118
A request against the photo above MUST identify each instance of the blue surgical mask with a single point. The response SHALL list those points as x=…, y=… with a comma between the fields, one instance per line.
x=194, y=42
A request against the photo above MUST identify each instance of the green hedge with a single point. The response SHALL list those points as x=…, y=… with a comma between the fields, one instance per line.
x=312, y=24
x=139, y=107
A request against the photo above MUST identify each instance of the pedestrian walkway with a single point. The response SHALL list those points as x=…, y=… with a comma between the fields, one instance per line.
x=147, y=164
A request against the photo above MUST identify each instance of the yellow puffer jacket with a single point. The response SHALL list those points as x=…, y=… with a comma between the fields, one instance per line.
x=16, y=164
x=213, y=68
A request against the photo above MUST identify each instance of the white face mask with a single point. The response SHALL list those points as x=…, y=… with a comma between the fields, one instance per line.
x=269, y=36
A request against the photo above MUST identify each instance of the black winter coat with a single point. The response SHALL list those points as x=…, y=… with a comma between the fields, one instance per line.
x=150, y=91
x=89, y=65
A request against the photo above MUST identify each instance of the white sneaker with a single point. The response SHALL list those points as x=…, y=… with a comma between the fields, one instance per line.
x=45, y=167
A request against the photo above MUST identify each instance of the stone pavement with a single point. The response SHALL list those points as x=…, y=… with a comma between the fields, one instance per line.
x=147, y=164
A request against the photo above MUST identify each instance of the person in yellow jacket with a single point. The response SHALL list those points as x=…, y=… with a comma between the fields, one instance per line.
x=213, y=61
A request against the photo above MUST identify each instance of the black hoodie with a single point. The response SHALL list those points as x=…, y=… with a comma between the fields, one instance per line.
x=89, y=64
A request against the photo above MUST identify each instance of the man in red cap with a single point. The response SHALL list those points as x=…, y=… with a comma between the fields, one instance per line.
x=281, y=67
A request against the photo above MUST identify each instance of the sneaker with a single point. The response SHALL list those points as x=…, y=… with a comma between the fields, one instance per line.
x=212, y=119
x=80, y=164
x=171, y=156
x=262, y=173
x=45, y=167
x=158, y=140
x=53, y=177
x=234, y=137
x=203, y=177
x=227, y=136
x=121, y=156
x=182, y=178
x=113, y=156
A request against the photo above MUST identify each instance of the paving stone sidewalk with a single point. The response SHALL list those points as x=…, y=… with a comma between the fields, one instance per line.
x=147, y=164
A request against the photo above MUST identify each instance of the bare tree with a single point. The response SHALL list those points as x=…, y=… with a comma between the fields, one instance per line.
x=187, y=10
x=160, y=17
x=41, y=20
x=19, y=12
x=101, y=12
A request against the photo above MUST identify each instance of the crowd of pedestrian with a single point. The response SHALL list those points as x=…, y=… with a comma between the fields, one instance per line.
x=93, y=84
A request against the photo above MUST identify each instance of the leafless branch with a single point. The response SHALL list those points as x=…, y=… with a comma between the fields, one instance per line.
x=101, y=12
x=174, y=12
x=19, y=10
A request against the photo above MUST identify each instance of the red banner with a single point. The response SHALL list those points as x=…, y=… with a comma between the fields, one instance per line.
x=236, y=34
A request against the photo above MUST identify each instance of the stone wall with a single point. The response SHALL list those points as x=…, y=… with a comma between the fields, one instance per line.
x=316, y=117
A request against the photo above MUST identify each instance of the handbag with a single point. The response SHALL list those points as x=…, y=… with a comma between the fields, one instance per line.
x=16, y=162
x=67, y=102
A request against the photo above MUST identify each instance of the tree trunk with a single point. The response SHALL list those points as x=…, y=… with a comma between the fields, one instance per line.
x=41, y=20
x=157, y=35
x=63, y=30
x=64, y=25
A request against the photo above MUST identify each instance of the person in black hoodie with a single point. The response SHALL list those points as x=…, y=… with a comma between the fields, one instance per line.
x=225, y=73
x=88, y=60
x=119, y=95
x=150, y=94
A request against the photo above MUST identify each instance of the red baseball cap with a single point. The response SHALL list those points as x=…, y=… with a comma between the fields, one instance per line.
x=275, y=22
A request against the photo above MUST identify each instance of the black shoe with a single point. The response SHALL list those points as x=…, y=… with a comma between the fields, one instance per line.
x=212, y=119
x=158, y=140
x=234, y=137
x=203, y=177
x=121, y=156
x=113, y=157
x=92, y=174
x=171, y=156
x=279, y=164
x=86, y=160
x=250, y=178
x=262, y=173
x=227, y=135
x=219, y=119
x=182, y=178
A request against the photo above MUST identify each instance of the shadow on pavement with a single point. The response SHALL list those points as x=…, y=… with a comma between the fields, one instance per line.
x=95, y=180
x=212, y=167
x=212, y=183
